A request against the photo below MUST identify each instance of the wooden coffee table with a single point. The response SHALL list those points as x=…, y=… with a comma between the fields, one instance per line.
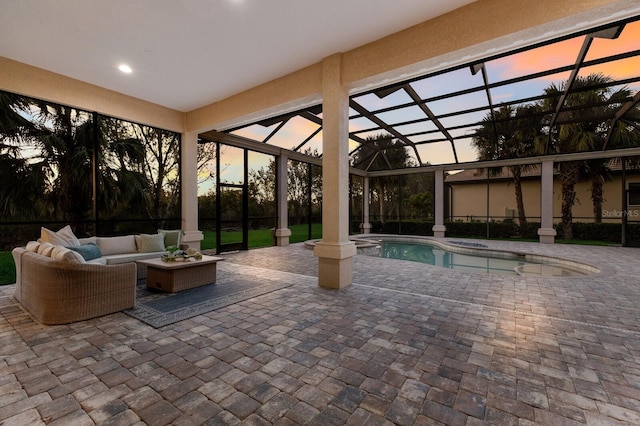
x=177, y=276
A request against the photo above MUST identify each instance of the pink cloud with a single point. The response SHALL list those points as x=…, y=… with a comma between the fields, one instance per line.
x=566, y=52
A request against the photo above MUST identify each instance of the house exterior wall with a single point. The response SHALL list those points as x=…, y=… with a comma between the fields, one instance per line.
x=468, y=200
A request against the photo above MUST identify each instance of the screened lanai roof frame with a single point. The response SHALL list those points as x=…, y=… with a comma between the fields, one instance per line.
x=433, y=129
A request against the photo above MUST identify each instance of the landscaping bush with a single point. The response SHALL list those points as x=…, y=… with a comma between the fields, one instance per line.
x=633, y=235
x=609, y=232
x=17, y=235
x=605, y=232
x=529, y=230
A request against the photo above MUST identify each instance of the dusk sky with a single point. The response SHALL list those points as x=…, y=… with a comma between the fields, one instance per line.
x=540, y=59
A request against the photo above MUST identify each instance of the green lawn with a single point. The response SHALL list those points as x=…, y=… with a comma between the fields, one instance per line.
x=261, y=237
x=7, y=268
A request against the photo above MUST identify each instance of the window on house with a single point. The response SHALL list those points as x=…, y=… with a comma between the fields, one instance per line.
x=634, y=194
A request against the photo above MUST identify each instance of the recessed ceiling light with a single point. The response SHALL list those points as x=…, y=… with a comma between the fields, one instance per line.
x=125, y=68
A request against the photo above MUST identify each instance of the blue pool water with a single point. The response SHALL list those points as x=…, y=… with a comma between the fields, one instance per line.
x=433, y=255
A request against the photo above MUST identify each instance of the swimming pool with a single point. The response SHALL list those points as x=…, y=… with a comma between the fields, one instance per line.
x=473, y=257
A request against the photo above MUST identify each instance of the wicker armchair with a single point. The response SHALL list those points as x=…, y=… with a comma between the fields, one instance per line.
x=59, y=292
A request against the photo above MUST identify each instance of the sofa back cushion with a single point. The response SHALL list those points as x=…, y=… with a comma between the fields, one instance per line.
x=116, y=245
x=88, y=240
x=150, y=243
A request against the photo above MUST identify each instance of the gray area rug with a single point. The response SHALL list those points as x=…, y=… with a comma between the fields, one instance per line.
x=158, y=308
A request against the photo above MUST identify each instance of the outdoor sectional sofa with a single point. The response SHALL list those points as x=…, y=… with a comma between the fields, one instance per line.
x=79, y=279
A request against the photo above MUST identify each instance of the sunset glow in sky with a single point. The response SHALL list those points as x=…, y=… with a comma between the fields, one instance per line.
x=560, y=54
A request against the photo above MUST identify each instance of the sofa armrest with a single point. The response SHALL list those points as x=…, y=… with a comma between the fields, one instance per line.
x=17, y=260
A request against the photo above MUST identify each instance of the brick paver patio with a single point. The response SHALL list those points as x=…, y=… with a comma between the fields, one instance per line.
x=406, y=344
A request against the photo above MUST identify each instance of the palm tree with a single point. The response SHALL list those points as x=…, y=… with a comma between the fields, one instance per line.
x=17, y=200
x=50, y=148
x=621, y=135
x=509, y=133
x=123, y=186
x=581, y=127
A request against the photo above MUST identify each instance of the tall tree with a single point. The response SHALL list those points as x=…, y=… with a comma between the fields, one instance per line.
x=510, y=133
x=621, y=135
x=299, y=176
x=53, y=150
x=582, y=126
x=25, y=198
x=161, y=169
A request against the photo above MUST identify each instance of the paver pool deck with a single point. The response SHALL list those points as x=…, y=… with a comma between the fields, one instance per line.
x=406, y=343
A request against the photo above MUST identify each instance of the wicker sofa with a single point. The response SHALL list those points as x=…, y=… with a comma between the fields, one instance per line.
x=57, y=285
x=60, y=292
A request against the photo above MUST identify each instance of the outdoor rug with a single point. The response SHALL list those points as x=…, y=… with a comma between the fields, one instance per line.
x=158, y=308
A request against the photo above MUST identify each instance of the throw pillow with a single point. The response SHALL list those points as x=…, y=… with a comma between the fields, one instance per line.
x=88, y=251
x=172, y=237
x=66, y=255
x=45, y=249
x=63, y=237
x=116, y=245
x=151, y=243
x=32, y=246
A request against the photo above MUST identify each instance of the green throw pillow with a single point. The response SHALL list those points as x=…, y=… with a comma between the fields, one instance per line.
x=172, y=237
x=150, y=243
x=88, y=251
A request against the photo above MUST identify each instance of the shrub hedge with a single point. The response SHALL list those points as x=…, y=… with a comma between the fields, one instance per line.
x=605, y=232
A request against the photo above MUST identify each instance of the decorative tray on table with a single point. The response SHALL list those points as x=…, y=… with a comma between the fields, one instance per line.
x=177, y=255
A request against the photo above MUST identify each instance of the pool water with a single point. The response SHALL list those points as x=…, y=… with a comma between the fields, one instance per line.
x=433, y=255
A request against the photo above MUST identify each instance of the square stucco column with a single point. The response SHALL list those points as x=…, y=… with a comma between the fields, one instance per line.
x=546, y=232
x=335, y=251
x=439, y=228
x=189, y=181
x=282, y=231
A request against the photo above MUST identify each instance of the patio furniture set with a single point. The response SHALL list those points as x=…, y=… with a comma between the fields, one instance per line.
x=61, y=279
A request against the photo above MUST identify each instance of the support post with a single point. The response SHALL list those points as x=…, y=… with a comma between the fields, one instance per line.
x=439, y=228
x=546, y=232
x=189, y=181
x=365, y=226
x=335, y=251
x=282, y=232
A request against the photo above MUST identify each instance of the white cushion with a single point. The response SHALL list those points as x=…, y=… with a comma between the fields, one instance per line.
x=88, y=240
x=75, y=257
x=64, y=237
x=32, y=246
x=66, y=255
x=116, y=245
x=115, y=259
x=45, y=249
x=151, y=243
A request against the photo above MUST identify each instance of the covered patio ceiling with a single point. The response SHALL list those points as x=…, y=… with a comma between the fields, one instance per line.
x=435, y=116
